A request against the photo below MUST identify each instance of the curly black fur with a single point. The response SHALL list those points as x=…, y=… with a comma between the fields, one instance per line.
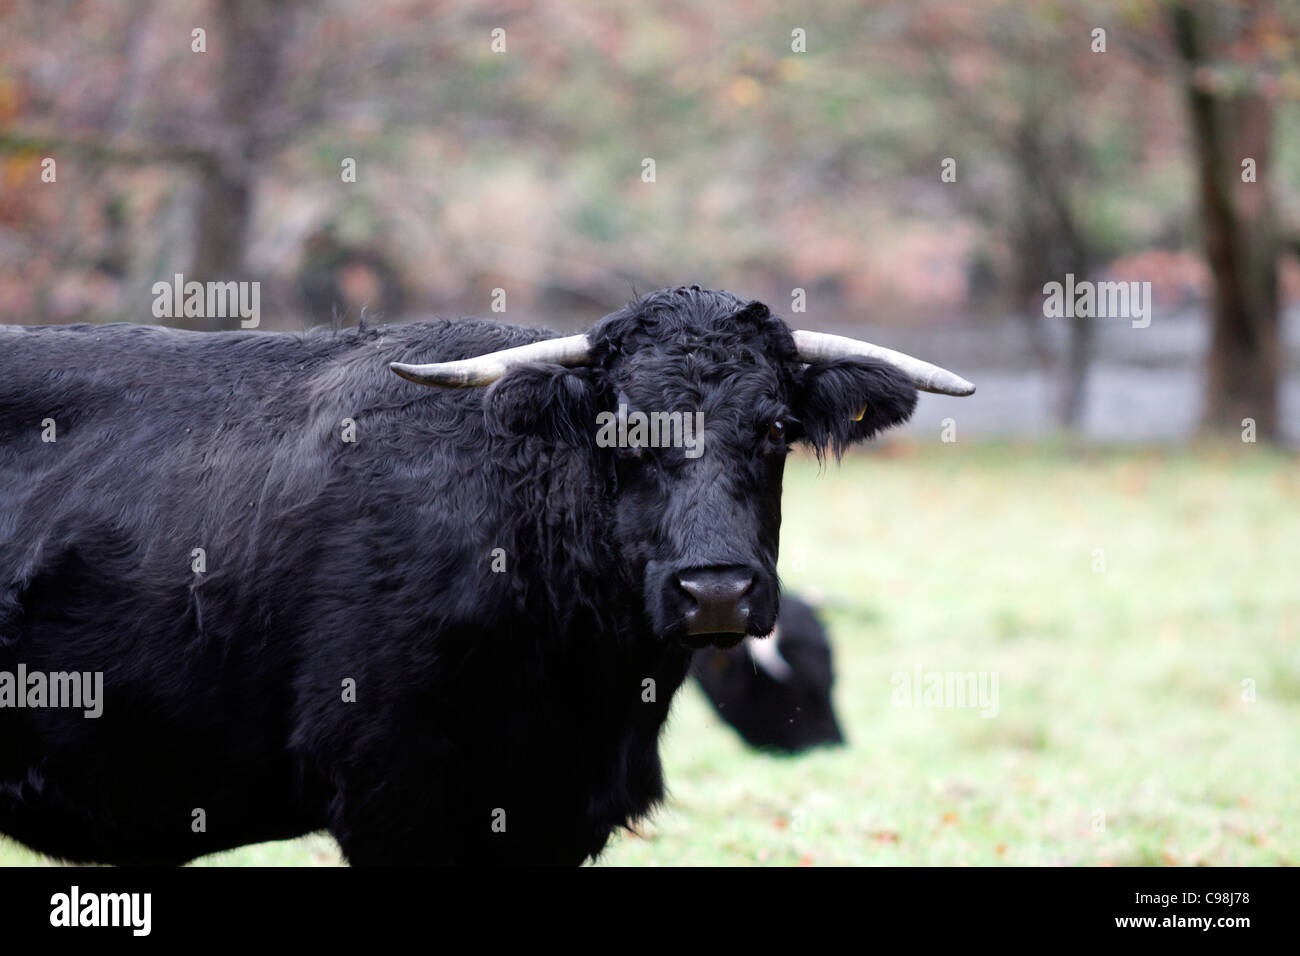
x=480, y=695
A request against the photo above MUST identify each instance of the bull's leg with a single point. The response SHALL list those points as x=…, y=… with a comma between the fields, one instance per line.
x=387, y=825
x=390, y=808
x=392, y=827
x=375, y=844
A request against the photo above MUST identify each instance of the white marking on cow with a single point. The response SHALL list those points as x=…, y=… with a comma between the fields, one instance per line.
x=767, y=656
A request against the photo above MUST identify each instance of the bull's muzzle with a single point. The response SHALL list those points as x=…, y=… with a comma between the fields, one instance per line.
x=717, y=599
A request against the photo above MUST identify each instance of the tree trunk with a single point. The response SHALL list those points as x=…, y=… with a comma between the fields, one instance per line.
x=1074, y=371
x=251, y=35
x=1243, y=364
x=221, y=223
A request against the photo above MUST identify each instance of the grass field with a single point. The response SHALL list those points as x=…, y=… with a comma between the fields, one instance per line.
x=1121, y=598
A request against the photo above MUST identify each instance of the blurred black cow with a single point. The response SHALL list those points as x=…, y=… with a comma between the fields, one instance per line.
x=775, y=691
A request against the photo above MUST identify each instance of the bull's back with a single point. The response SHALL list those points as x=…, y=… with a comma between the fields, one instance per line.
x=134, y=458
x=111, y=446
x=165, y=497
x=122, y=450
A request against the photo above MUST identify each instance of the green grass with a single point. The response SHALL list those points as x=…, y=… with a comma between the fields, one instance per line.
x=1120, y=690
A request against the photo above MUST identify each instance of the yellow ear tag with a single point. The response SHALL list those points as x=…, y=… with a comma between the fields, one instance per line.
x=861, y=411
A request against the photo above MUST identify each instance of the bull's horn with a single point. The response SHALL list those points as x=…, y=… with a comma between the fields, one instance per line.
x=570, y=351
x=822, y=346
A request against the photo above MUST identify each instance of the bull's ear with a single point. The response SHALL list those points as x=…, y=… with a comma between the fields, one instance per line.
x=848, y=400
x=543, y=400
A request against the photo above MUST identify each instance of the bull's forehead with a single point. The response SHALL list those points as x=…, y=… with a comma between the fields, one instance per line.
x=708, y=376
x=691, y=318
x=695, y=348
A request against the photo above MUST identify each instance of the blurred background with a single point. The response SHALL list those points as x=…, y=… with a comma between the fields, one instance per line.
x=912, y=173
x=791, y=151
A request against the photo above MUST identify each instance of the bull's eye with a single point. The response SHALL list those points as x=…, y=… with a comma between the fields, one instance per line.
x=781, y=432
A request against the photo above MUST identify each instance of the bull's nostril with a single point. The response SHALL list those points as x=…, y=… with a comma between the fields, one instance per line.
x=718, y=595
x=712, y=588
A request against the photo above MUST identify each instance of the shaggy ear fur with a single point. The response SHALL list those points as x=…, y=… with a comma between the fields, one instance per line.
x=543, y=400
x=829, y=395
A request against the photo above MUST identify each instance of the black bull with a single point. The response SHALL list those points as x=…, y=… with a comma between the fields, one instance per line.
x=444, y=625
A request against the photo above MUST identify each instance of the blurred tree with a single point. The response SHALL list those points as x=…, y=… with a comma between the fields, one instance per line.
x=1228, y=54
x=1024, y=98
x=328, y=262
x=249, y=121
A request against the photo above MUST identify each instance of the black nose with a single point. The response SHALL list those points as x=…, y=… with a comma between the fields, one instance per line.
x=719, y=599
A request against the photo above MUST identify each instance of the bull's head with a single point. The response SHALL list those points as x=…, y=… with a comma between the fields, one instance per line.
x=694, y=398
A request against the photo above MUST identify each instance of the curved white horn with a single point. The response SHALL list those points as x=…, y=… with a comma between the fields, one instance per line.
x=821, y=346
x=570, y=351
